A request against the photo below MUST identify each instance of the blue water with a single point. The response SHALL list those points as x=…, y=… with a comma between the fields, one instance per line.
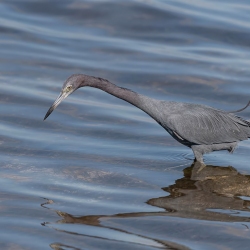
x=99, y=173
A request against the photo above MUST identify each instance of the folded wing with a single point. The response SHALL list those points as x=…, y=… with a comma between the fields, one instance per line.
x=201, y=124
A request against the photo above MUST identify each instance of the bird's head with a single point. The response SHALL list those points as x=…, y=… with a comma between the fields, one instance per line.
x=72, y=83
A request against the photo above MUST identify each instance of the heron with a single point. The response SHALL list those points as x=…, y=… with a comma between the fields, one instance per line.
x=202, y=128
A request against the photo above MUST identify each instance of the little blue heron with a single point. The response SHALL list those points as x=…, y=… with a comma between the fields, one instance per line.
x=202, y=128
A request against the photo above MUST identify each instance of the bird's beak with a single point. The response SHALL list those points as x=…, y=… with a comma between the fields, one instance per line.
x=58, y=100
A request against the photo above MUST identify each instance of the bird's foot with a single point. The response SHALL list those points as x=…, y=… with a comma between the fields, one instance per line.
x=199, y=165
x=197, y=173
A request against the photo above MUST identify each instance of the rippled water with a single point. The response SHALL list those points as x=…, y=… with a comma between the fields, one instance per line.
x=99, y=173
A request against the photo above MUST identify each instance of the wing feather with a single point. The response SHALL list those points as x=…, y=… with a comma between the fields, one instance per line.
x=201, y=124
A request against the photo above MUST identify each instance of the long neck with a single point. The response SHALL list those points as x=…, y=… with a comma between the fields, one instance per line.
x=146, y=104
x=122, y=93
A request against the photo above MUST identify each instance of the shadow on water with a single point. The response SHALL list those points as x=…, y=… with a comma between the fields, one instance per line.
x=210, y=194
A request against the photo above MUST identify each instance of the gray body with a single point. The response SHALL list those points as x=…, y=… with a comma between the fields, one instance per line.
x=202, y=128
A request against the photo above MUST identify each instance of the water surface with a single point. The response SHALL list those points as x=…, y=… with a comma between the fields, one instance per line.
x=99, y=173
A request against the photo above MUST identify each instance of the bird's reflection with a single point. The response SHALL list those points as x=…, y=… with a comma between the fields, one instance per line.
x=203, y=189
x=210, y=193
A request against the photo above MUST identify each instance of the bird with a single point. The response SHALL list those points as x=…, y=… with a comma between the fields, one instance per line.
x=202, y=128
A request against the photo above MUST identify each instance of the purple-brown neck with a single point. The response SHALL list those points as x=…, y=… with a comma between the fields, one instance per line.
x=122, y=93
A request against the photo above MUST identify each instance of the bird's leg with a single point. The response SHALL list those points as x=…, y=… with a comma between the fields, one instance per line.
x=197, y=173
x=199, y=166
x=198, y=157
x=197, y=153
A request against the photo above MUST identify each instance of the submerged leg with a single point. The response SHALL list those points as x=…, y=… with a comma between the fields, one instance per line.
x=198, y=154
x=200, y=150
x=196, y=173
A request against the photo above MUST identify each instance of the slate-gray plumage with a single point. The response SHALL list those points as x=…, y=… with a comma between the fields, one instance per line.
x=200, y=127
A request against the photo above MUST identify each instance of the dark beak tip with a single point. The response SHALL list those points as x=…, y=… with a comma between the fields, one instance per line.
x=48, y=113
x=54, y=105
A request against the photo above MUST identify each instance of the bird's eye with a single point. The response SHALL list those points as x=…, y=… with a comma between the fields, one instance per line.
x=68, y=88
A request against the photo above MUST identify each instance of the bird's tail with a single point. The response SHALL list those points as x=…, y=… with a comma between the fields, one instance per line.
x=239, y=110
